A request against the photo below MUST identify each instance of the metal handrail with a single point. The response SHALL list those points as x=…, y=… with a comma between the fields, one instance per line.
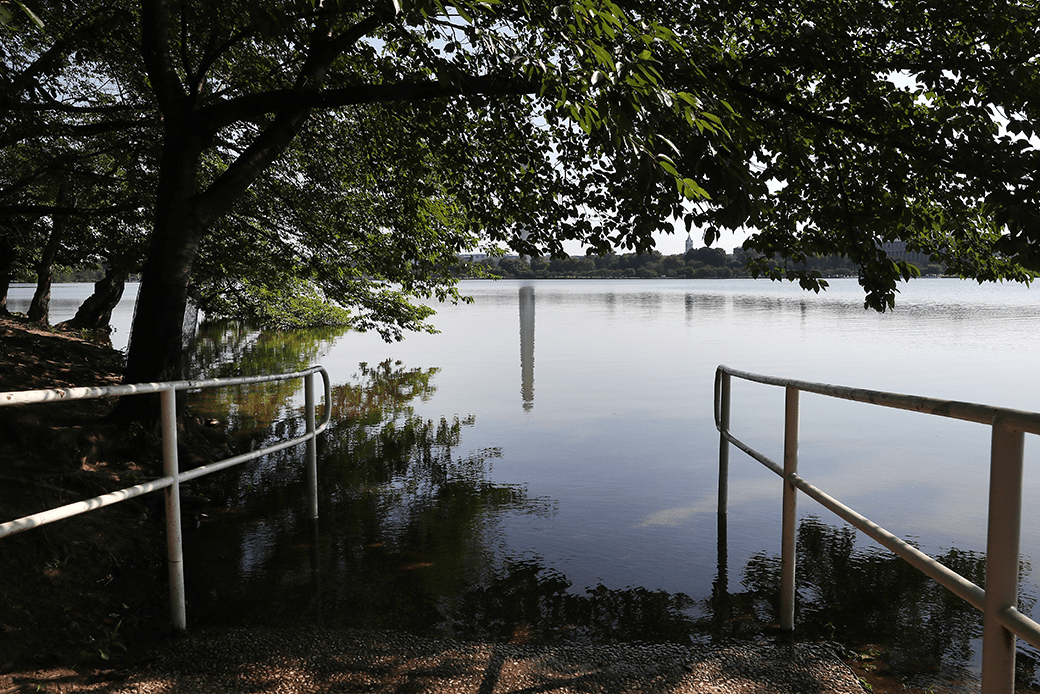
x=172, y=476
x=1002, y=621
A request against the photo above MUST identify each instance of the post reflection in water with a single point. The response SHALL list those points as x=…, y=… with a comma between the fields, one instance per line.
x=527, y=346
x=719, y=609
x=410, y=527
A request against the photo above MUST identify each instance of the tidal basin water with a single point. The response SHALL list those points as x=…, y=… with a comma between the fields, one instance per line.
x=546, y=467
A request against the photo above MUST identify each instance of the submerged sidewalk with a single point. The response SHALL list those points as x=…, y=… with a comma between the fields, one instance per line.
x=320, y=660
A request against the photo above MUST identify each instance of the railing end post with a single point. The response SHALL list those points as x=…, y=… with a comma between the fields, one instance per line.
x=174, y=547
x=312, y=446
x=722, y=411
x=1002, y=555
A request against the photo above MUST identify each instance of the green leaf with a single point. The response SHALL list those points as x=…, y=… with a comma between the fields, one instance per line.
x=6, y=17
x=693, y=191
x=603, y=57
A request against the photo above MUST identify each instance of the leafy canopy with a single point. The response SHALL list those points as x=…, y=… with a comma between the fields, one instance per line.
x=870, y=122
x=347, y=150
x=348, y=146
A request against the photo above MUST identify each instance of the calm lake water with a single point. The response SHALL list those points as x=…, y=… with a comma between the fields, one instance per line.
x=546, y=467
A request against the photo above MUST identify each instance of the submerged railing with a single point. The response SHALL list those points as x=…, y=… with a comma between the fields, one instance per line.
x=173, y=477
x=1002, y=621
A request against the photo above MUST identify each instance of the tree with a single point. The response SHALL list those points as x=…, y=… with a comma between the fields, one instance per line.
x=72, y=163
x=570, y=96
x=580, y=121
x=715, y=257
x=870, y=122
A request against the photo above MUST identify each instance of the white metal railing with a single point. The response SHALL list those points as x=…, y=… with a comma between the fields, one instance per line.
x=1002, y=621
x=172, y=476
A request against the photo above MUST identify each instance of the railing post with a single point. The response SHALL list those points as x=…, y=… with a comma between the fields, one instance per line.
x=174, y=548
x=788, y=558
x=724, y=388
x=1002, y=556
x=312, y=447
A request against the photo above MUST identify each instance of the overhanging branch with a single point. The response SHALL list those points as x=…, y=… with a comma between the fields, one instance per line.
x=60, y=211
x=972, y=166
x=247, y=108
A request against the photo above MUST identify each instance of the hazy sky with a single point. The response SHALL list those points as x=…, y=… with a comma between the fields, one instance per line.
x=674, y=244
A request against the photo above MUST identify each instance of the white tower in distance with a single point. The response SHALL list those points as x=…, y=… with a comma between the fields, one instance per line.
x=524, y=233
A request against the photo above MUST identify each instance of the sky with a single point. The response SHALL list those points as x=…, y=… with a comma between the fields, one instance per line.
x=675, y=244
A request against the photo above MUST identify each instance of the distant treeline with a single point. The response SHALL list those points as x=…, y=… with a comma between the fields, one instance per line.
x=61, y=273
x=697, y=263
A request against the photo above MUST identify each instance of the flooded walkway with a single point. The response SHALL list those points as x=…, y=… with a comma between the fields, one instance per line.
x=290, y=662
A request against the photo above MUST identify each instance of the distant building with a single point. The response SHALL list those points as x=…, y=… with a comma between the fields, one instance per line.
x=689, y=243
x=896, y=250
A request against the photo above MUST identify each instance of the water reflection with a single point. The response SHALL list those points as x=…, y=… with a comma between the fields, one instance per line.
x=409, y=531
x=645, y=303
x=866, y=597
x=527, y=346
x=527, y=602
x=234, y=348
x=408, y=524
x=697, y=301
x=412, y=538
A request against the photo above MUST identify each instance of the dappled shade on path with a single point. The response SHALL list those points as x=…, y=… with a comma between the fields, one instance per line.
x=266, y=660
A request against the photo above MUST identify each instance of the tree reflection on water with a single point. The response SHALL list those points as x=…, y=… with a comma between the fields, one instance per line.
x=411, y=538
x=409, y=532
x=869, y=599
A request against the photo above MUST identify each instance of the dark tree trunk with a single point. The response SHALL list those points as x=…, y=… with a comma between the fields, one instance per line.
x=40, y=307
x=155, y=348
x=8, y=256
x=183, y=216
x=182, y=213
x=154, y=353
x=96, y=312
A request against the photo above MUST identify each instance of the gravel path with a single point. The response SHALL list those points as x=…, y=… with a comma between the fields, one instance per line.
x=283, y=661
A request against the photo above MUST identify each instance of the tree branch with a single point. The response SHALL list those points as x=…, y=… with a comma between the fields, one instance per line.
x=970, y=166
x=53, y=55
x=56, y=210
x=53, y=105
x=158, y=59
x=62, y=130
x=252, y=107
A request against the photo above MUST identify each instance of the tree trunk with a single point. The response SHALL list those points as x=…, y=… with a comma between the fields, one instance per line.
x=155, y=348
x=96, y=312
x=154, y=353
x=8, y=255
x=183, y=216
x=40, y=307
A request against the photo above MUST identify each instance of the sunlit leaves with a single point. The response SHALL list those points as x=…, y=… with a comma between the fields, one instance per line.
x=9, y=16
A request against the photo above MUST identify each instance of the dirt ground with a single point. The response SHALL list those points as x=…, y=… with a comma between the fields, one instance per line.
x=73, y=591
